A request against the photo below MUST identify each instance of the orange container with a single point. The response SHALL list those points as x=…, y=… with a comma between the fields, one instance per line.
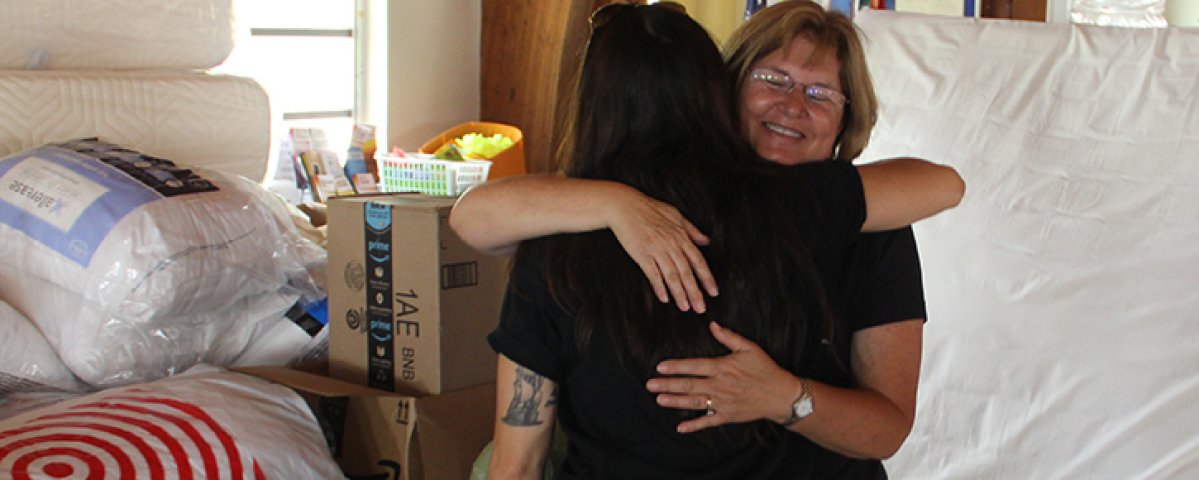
x=506, y=163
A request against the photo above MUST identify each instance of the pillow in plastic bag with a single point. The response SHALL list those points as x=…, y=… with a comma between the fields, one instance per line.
x=27, y=362
x=206, y=423
x=134, y=267
x=300, y=338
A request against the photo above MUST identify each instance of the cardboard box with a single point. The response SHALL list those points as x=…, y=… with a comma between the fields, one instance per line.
x=378, y=434
x=410, y=304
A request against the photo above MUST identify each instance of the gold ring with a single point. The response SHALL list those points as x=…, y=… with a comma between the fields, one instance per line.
x=710, y=411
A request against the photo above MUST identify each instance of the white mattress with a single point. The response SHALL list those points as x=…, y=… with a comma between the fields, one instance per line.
x=88, y=34
x=1063, y=294
x=215, y=121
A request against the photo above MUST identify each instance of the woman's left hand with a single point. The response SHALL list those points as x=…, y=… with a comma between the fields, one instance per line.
x=743, y=386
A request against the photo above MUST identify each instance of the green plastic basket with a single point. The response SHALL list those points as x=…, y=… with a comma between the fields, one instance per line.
x=430, y=176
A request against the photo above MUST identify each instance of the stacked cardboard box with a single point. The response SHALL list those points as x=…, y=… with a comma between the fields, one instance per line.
x=410, y=306
x=378, y=434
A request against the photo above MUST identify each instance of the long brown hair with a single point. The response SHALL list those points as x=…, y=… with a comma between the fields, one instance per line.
x=654, y=110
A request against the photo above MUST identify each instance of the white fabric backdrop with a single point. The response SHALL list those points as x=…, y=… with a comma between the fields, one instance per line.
x=1063, y=293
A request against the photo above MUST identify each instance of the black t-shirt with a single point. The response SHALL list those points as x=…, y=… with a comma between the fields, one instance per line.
x=615, y=428
x=880, y=283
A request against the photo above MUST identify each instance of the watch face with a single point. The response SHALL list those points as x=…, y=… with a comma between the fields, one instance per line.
x=802, y=407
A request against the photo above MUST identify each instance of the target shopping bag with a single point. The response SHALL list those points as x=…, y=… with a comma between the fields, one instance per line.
x=210, y=424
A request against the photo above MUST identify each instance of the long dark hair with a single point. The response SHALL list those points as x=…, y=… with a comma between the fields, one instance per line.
x=654, y=109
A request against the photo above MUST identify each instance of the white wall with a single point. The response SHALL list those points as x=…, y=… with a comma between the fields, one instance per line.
x=424, y=75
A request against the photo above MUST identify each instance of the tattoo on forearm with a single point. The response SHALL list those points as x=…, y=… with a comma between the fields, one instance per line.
x=553, y=400
x=526, y=399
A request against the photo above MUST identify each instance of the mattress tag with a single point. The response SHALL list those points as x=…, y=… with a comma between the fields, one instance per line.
x=70, y=195
x=49, y=192
x=65, y=202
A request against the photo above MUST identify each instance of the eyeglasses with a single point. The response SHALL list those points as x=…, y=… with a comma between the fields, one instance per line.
x=784, y=84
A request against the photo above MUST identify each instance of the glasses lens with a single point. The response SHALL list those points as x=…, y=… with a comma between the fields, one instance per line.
x=774, y=80
x=818, y=94
x=824, y=95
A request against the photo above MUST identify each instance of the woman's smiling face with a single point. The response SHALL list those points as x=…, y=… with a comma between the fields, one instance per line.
x=789, y=127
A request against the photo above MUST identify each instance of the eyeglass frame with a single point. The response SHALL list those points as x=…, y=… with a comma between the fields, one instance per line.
x=783, y=83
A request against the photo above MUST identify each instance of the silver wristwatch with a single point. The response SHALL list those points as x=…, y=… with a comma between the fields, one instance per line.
x=802, y=406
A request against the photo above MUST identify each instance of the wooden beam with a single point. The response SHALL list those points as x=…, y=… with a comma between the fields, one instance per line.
x=1014, y=9
x=530, y=53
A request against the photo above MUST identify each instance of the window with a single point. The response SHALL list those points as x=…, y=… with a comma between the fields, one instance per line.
x=304, y=54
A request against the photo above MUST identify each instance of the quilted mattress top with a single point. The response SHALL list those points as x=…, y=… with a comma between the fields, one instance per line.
x=196, y=119
x=120, y=34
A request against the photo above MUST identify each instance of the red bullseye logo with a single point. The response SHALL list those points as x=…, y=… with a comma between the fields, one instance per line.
x=134, y=435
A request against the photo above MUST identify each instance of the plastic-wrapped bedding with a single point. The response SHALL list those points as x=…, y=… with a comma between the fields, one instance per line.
x=207, y=423
x=299, y=338
x=135, y=268
x=86, y=34
x=27, y=362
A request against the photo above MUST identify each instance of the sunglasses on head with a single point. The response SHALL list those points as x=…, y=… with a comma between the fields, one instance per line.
x=605, y=13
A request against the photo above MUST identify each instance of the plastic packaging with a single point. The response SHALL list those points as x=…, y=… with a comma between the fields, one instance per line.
x=144, y=283
x=27, y=362
x=298, y=338
x=207, y=423
x=1119, y=13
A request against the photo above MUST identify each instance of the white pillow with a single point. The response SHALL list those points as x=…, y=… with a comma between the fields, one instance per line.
x=133, y=279
x=27, y=363
x=206, y=423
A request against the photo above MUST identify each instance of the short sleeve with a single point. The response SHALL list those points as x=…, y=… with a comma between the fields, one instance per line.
x=884, y=279
x=834, y=189
x=530, y=327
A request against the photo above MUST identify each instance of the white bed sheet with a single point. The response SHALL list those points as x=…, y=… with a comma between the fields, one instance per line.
x=1063, y=293
x=90, y=34
x=215, y=121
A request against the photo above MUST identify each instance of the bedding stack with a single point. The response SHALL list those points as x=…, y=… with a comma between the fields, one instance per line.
x=134, y=234
x=131, y=72
x=136, y=244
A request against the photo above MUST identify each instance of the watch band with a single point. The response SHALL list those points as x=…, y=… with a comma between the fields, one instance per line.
x=805, y=394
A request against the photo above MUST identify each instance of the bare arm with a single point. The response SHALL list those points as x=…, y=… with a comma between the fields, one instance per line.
x=526, y=409
x=870, y=421
x=902, y=191
x=497, y=215
x=874, y=419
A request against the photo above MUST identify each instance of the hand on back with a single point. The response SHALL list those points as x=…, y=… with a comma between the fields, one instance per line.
x=666, y=247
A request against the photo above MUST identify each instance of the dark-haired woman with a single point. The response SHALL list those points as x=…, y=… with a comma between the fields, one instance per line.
x=582, y=333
